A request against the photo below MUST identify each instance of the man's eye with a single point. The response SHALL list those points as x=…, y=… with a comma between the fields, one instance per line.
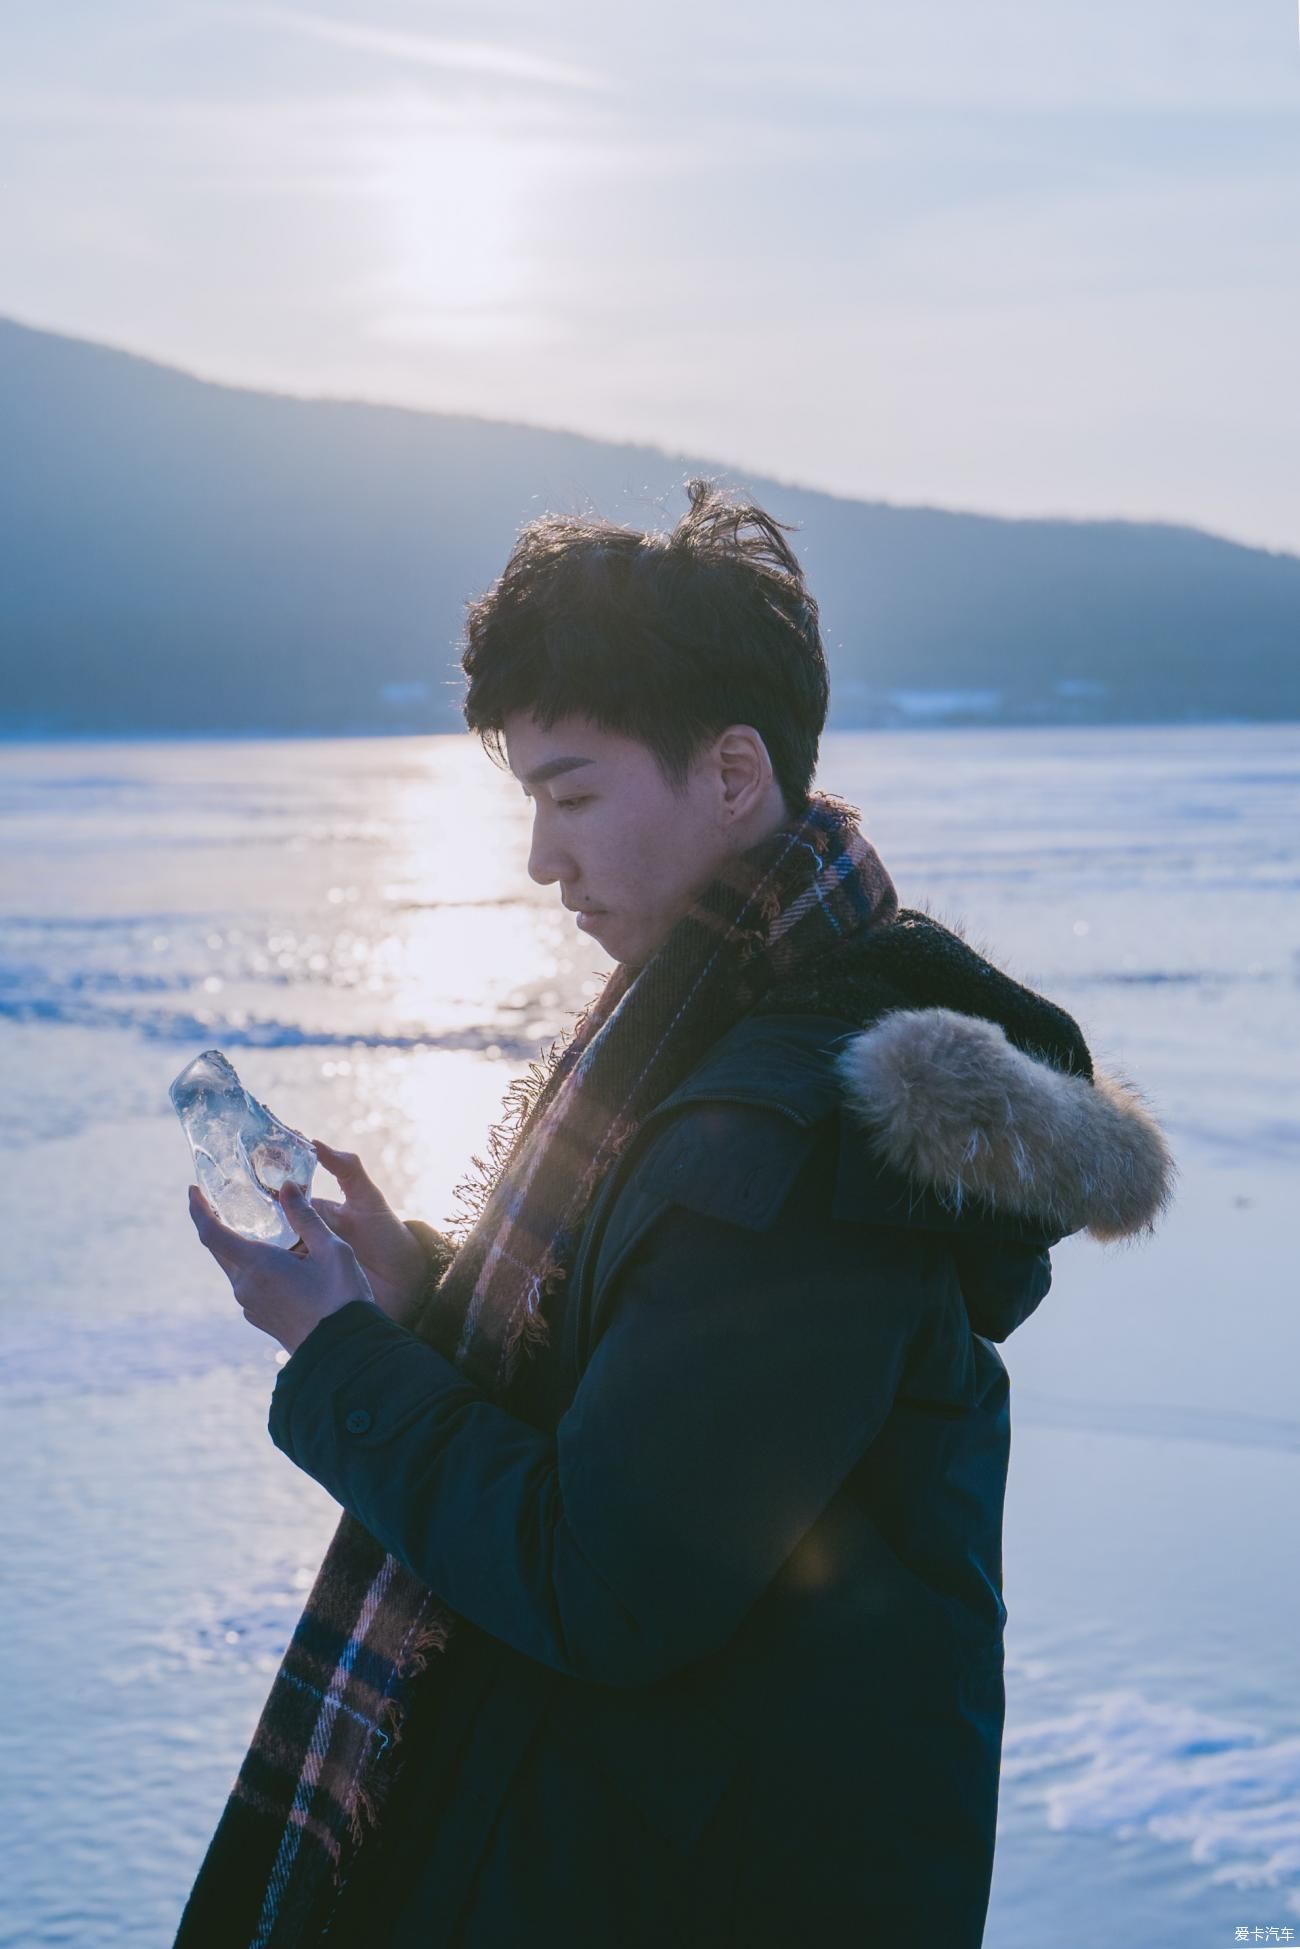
x=566, y=803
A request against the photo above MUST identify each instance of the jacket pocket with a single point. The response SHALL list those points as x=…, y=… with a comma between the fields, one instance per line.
x=734, y=1162
x=669, y=1756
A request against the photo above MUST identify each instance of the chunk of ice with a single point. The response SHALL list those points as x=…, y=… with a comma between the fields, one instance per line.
x=241, y=1152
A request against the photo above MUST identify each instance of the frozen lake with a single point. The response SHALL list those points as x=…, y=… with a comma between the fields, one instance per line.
x=353, y=923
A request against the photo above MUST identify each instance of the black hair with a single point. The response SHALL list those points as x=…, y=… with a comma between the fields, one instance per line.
x=663, y=637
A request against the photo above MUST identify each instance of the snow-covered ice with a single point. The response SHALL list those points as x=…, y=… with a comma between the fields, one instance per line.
x=313, y=905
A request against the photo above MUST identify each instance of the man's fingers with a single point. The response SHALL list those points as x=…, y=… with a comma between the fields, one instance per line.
x=344, y=1165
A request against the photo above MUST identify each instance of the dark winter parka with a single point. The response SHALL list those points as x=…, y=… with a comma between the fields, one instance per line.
x=731, y=1665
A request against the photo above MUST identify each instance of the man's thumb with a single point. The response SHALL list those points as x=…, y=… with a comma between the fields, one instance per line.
x=296, y=1206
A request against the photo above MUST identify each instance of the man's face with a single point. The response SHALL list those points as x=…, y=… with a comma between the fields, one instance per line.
x=610, y=833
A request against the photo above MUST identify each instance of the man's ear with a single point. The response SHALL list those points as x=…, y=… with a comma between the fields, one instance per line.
x=745, y=767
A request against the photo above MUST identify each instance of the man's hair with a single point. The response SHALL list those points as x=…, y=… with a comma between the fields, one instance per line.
x=665, y=638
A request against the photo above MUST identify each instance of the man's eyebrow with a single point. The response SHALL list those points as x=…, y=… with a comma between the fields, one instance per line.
x=552, y=769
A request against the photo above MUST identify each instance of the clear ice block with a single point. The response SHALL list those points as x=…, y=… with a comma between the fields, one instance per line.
x=241, y=1152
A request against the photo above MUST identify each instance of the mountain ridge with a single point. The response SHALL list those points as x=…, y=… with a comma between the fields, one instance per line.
x=188, y=554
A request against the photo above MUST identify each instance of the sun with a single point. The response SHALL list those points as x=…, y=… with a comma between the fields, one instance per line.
x=459, y=217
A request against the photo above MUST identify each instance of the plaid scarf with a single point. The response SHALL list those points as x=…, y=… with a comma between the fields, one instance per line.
x=317, y=1772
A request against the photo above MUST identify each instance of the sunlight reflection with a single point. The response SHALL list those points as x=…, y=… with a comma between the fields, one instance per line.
x=455, y=969
x=459, y=837
x=470, y=922
x=415, y=1118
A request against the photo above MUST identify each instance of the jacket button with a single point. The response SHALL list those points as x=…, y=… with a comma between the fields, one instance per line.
x=357, y=1422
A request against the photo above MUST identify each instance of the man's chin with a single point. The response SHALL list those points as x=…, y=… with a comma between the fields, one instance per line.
x=606, y=930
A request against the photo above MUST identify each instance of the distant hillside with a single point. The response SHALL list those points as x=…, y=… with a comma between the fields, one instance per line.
x=183, y=556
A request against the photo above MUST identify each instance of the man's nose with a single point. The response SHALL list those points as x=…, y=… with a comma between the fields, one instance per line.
x=549, y=861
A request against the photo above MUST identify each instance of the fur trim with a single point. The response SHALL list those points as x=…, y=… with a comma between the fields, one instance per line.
x=953, y=1104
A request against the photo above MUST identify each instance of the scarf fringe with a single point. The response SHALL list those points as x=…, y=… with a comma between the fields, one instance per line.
x=431, y=1634
x=525, y=1099
x=521, y=1102
x=534, y=1334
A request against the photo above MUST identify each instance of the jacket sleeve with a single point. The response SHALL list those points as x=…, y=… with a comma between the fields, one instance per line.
x=740, y=1374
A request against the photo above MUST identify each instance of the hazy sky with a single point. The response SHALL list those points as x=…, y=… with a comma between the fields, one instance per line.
x=1030, y=256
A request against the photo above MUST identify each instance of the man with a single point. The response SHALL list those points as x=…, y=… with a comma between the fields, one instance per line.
x=666, y=1603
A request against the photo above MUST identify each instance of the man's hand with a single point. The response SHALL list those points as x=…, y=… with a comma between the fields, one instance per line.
x=391, y=1259
x=284, y=1293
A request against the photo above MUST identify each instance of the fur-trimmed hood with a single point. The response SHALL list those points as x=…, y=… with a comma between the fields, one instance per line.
x=976, y=1088
x=951, y=1103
